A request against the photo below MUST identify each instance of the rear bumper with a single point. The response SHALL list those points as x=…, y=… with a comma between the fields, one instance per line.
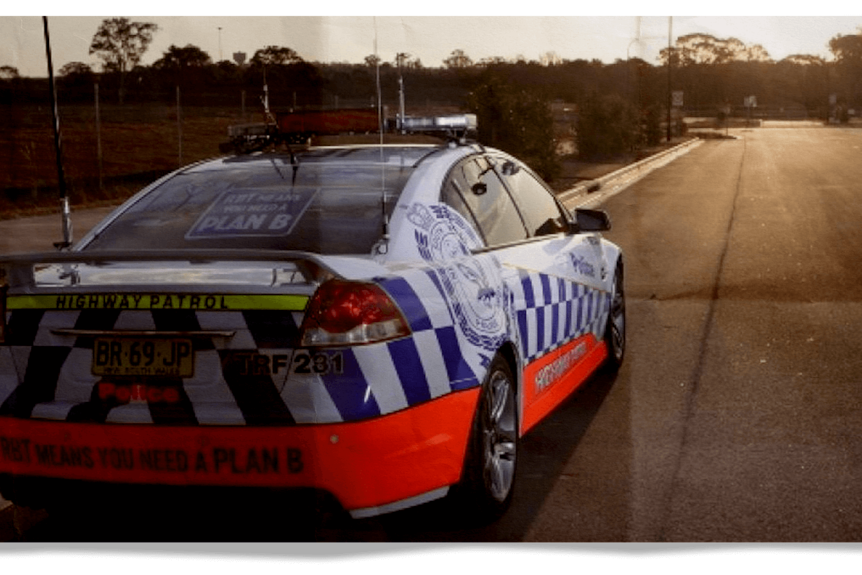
x=370, y=467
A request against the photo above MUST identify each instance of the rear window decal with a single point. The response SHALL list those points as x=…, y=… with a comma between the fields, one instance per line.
x=248, y=213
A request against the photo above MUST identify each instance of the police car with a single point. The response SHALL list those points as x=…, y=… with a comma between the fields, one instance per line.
x=381, y=322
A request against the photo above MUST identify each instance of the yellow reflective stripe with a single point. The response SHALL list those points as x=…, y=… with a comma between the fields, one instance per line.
x=204, y=302
x=27, y=302
x=282, y=302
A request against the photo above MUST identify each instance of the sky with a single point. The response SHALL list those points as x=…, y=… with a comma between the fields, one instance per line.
x=616, y=32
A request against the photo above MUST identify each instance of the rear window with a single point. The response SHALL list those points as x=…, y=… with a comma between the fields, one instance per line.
x=330, y=204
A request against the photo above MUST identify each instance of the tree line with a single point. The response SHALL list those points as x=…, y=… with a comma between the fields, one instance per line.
x=715, y=76
x=710, y=71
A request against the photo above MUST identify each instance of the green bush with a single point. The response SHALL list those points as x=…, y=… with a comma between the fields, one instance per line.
x=516, y=120
x=607, y=126
x=651, y=125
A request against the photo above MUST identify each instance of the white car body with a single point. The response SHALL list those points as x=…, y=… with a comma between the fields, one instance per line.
x=382, y=418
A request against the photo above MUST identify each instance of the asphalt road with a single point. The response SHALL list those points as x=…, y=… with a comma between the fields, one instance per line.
x=737, y=414
x=38, y=233
x=743, y=390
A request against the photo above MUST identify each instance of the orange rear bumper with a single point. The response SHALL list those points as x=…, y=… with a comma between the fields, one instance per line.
x=363, y=464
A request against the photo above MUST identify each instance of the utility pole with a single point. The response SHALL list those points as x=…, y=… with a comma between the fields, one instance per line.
x=98, y=133
x=401, y=102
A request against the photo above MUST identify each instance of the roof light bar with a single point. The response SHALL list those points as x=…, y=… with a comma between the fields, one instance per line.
x=456, y=122
x=298, y=127
x=247, y=130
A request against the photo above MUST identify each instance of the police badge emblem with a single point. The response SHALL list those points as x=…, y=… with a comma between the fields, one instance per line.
x=472, y=284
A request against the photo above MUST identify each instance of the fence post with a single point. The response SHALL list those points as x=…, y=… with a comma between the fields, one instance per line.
x=98, y=134
x=179, y=129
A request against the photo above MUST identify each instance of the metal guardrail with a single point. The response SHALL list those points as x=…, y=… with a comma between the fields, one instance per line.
x=610, y=184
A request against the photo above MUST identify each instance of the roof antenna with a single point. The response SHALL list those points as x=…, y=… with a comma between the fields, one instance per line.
x=272, y=123
x=267, y=115
x=382, y=246
x=58, y=148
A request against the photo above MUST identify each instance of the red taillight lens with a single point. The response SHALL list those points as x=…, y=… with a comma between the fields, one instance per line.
x=351, y=313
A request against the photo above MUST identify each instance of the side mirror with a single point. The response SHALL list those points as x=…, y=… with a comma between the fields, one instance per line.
x=592, y=220
x=510, y=168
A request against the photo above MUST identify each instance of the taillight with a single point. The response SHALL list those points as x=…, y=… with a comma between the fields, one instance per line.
x=351, y=313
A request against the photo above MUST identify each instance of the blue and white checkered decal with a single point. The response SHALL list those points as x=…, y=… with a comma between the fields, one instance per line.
x=552, y=311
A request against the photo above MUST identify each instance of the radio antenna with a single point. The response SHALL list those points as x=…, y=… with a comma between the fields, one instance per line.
x=382, y=246
x=58, y=147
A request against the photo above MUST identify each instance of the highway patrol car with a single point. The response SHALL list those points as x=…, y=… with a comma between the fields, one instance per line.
x=380, y=322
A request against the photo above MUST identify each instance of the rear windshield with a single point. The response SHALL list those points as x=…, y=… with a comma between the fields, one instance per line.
x=330, y=203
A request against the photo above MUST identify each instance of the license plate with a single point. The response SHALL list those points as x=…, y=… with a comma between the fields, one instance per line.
x=147, y=357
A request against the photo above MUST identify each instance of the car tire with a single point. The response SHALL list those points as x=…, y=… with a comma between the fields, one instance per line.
x=488, y=478
x=615, y=329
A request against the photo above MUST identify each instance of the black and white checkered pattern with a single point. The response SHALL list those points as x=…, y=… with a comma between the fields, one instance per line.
x=55, y=379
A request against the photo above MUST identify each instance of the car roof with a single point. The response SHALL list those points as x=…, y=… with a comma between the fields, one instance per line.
x=400, y=154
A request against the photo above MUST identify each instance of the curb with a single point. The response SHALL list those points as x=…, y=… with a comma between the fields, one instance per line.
x=580, y=195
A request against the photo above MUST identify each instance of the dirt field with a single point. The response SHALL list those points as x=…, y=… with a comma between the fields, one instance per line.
x=139, y=142
x=135, y=139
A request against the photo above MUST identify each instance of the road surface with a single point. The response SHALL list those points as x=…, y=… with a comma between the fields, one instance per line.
x=737, y=415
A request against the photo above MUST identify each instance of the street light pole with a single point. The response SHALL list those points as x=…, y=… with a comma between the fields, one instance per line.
x=219, y=44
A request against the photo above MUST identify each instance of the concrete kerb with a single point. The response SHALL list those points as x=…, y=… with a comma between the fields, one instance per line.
x=615, y=182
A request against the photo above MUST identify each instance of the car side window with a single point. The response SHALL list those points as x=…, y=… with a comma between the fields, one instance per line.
x=540, y=209
x=475, y=191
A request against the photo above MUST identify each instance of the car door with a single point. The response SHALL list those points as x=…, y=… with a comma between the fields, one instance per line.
x=554, y=276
